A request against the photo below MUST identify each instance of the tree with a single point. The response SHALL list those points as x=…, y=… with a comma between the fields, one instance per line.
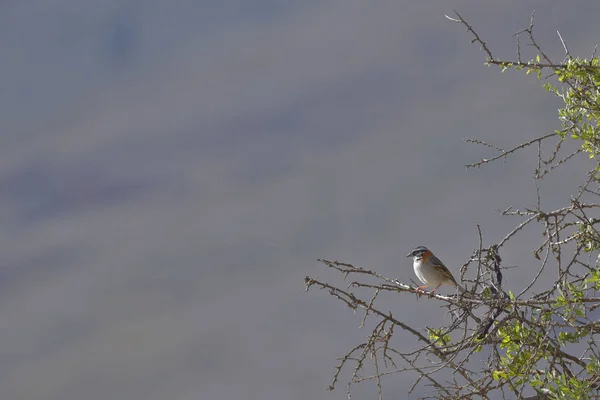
x=539, y=345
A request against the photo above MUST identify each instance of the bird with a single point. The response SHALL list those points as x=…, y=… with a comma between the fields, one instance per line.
x=430, y=270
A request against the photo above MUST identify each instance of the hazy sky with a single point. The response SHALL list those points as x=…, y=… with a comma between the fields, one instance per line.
x=170, y=172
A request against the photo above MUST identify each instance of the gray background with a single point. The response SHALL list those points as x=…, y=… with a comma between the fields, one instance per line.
x=170, y=171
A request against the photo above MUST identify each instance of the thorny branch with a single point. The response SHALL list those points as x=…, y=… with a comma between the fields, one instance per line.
x=546, y=313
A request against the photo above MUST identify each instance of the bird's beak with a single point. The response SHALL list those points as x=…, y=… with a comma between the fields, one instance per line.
x=409, y=254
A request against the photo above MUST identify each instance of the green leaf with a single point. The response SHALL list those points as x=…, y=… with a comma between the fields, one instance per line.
x=498, y=375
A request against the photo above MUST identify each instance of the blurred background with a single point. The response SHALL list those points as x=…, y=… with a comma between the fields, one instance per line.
x=171, y=171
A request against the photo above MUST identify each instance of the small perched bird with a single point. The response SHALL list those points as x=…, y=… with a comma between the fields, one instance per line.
x=430, y=270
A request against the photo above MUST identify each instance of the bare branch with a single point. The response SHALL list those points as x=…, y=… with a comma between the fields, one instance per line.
x=506, y=153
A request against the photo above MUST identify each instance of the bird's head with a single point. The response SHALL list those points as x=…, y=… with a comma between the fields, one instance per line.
x=419, y=252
